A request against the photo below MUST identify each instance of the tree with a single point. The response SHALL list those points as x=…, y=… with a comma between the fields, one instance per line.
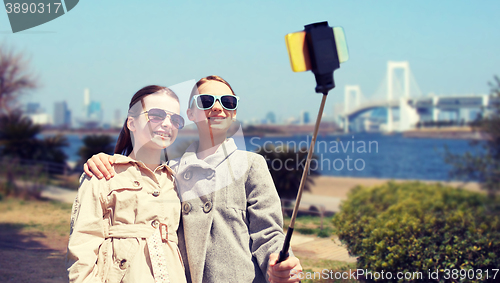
x=286, y=166
x=15, y=80
x=52, y=152
x=93, y=144
x=484, y=164
x=18, y=139
x=18, y=136
x=27, y=156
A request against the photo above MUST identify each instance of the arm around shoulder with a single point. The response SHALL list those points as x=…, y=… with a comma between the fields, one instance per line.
x=100, y=165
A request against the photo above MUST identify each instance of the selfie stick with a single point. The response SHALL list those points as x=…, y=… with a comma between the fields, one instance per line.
x=320, y=49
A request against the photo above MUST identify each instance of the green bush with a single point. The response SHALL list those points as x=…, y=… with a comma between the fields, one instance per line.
x=417, y=227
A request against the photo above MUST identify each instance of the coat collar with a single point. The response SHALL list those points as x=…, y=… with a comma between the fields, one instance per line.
x=121, y=159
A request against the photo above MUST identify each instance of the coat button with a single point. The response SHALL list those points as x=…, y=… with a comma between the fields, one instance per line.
x=156, y=193
x=210, y=175
x=207, y=206
x=123, y=264
x=136, y=183
x=155, y=224
x=186, y=207
x=188, y=175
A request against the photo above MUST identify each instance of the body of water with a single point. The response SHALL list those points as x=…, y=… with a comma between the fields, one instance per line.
x=357, y=155
x=376, y=155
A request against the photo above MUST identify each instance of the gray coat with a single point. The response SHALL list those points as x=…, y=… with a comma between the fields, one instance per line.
x=231, y=215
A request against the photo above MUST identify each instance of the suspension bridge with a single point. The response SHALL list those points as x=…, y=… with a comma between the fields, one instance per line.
x=401, y=106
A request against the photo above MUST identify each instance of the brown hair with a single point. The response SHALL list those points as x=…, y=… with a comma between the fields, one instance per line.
x=124, y=144
x=205, y=80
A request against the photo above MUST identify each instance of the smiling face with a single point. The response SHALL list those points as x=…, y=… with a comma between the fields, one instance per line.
x=217, y=119
x=149, y=134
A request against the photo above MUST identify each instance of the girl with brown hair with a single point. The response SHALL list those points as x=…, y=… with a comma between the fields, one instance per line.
x=125, y=229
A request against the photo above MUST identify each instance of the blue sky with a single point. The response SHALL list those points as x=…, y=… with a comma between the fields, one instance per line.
x=116, y=47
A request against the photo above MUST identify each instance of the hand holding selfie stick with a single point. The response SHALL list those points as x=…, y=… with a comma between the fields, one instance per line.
x=320, y=49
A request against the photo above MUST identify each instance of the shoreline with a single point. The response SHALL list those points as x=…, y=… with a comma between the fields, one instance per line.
x=339, y=187
x=459, y=133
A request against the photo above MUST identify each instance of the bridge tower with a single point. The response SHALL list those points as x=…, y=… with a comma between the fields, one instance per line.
x=408, y=115
x=349, y=90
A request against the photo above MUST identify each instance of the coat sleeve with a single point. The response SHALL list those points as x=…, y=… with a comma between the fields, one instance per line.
x=86, y=232
x=263, y=212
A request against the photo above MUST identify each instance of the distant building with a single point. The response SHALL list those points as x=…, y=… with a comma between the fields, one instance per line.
x=304, y=118
x=37, y=114
x=33, y=108
x=92, y=112
x=62, y=115
x=271, y=118
x=40, y=118
x=117, y=119
x=254, y=121
x=292, y=121
x=95, y=111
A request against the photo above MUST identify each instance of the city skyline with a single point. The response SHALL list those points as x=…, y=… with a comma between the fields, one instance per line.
x=91, y=116
x=114, y=50
x=64, y=117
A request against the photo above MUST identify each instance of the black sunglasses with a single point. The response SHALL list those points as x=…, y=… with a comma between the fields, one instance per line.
x=156, y=115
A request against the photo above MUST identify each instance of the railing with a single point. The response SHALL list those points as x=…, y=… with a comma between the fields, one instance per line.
x=47, y=167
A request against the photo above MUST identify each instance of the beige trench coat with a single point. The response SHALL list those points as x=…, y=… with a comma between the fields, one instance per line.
x=111, y=221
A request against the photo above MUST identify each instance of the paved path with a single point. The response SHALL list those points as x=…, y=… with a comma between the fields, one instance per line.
x=320, y=248
x=331, y=204
x=59, y=194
